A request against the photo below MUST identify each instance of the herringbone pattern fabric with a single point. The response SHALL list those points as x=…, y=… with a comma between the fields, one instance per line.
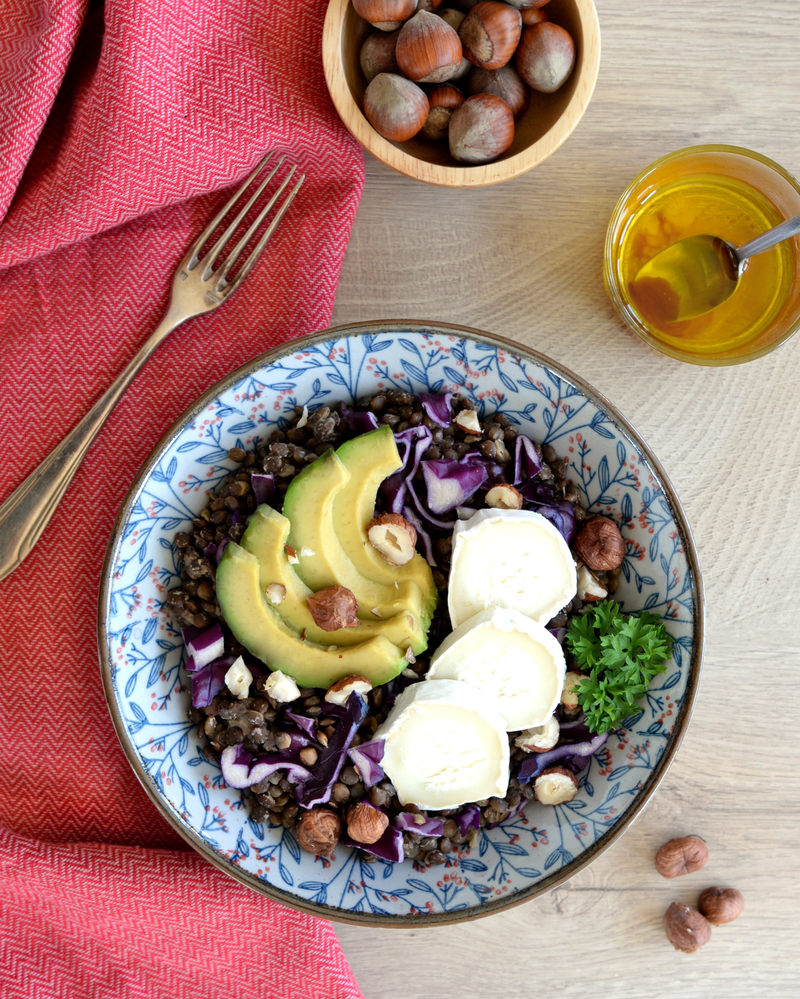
x=122, y=126
x=111, y=922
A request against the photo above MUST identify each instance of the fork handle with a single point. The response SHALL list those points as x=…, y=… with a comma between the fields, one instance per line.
x=27, y=511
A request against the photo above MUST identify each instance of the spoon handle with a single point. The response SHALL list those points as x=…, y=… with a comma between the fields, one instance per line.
x=787, y=229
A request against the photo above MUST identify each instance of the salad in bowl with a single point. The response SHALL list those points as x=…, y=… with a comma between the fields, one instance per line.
x=401, y=631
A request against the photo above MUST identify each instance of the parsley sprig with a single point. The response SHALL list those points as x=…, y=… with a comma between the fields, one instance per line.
x=620, y=655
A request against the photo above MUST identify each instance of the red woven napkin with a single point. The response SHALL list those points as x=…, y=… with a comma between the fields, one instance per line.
x=122, y=127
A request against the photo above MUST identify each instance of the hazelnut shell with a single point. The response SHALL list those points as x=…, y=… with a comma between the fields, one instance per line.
x=318, y=831
x=395, y=107
x=428, y=49
x=481, y=129
x=378, y=54
x=545, y=56
x=490, y=34
x=387, y=15
x=366, y=824
x=504, y=83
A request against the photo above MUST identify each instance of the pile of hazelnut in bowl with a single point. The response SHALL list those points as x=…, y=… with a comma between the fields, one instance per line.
x=462, y=73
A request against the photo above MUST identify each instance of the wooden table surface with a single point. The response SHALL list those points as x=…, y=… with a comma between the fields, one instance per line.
x=525, y=260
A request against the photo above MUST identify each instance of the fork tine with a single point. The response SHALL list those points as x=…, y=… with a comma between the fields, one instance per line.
x=191, y=256
x=213, y=254
x=228, y=288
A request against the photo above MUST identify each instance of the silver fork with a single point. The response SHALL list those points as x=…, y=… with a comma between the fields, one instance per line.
x=196, y=288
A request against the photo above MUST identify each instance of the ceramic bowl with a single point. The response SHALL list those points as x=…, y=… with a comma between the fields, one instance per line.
x=141, y=651
x=548, y=122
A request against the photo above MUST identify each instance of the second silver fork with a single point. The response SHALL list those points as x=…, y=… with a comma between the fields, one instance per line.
x=196, y=288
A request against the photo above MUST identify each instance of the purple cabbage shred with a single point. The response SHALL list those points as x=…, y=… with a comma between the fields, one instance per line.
x=263, y=485
x=406, y=822
x=240, y=770
x=527, y=463
x=317, y=789
x=450, y=483
x=208, y=681
x=360, y=422
x=367, y=759
x=574, y=755
x=389, y=846
x=468, y=818
x=437, y=408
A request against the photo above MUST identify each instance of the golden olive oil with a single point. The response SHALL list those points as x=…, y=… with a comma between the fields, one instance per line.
x=715, y=205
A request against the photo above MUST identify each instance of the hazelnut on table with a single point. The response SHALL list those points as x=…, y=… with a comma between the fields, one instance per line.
x=681, y=856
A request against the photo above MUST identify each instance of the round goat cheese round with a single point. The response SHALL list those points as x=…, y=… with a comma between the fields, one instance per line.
x=509, y=558
x=445, y=745
x=505, y=655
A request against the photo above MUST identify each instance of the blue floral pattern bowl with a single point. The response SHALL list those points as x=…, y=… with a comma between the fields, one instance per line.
x=141, y=650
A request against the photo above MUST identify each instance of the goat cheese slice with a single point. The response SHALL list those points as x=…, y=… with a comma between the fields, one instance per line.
x=507, y=656
x=445, y=745
x=514, y=559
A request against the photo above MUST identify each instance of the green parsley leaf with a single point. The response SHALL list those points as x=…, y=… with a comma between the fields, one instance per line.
x=620, y=655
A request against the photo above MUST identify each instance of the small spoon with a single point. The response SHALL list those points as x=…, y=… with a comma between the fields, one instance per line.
x=697, y=274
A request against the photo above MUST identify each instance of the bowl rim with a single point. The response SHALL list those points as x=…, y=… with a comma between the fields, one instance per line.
x=653, y=780
x=437, y=174
x=610, y=261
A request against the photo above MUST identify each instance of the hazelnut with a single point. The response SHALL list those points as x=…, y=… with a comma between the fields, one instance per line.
x=454, y=19
x=589, y=586
x=378, y=54
x=393, y=536
x=333, y=608
x=318, y=831
x=428, y=49
x=522, y=5
x=385, y=14
x=504, y=83
x=490, y=33
x=504, y=497
x=275, y=593
x=339, y=692
x=395, y=107
x=555, y=786
x=687, y=930
x=365, y=823
x=681, y=856
x=721, y=905
x=443, y=99
x=599, y=544
x=539, y=739
x=481, y=129
x=569, y=692
x=533, y=15
x=431, y=6
x=545, y=56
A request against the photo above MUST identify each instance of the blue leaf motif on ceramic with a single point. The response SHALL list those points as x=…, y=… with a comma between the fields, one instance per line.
x=615, y=480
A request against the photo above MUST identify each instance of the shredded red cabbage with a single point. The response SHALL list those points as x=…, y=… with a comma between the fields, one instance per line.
x=527, y=462
x=263, y=485
x=317, y=789
x=406, y=822
x=239, y=770
x=208, y=681
x=468, y=818
x=361, y=422
x=394, y=687
x=575, y=755
x=559, y=634
x=306, y=724
x=495, y=473
x=437, y=408
x=204, y=646
x=389, y=846
x=423, y=537
x=411, y=444
x=427, y=516
x=366, y=759
x=450, y=483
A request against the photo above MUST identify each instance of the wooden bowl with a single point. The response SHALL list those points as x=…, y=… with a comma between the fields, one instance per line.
x=547, y=123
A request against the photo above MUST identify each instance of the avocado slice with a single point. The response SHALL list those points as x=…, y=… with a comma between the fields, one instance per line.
x=263, y=632
x=265, y=537
x=308, y=505
x=370, y=458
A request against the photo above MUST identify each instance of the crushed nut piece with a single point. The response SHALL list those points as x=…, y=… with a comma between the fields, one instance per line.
x=589, y=586
x=539, y=739
x=569, y=692
x=238, y=679
x=375, y=612
x=393, y=536
x=333, y=608
x=338, y=692
x=409, y=656
x=276, y=593
x=504, y=497
x=291, y=554
x=555, y=786
x=280, y=687
x=467, y=420
x=307, y=552
x=303, y=419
